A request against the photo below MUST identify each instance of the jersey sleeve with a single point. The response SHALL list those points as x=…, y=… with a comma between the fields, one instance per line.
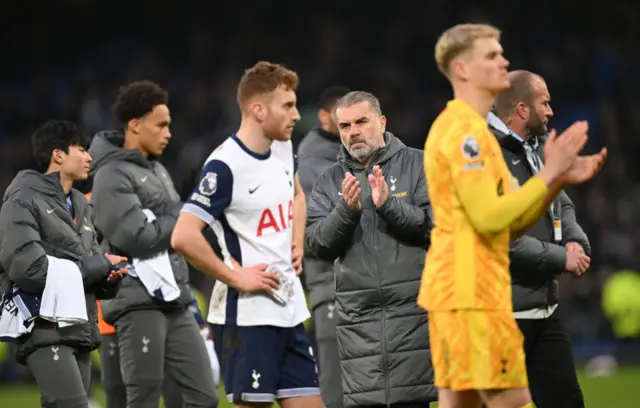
x=213, y=193
x=474, y=166
x=470, y=157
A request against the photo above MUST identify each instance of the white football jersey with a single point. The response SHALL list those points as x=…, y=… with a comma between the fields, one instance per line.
x=247, y=199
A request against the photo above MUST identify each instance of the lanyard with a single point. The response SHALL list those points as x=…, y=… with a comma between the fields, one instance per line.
x=536, y=164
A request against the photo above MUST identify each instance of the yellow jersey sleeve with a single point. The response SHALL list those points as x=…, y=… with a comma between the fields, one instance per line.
x=482, y=181
x=469, y=154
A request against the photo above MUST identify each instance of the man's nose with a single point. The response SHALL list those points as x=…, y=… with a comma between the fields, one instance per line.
x=549, y=112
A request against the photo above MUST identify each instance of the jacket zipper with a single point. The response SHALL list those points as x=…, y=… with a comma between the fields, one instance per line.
x=546, y=304
x=385, y=363
x=383, y=330
x=77, y=225
x=161, y=177
x=70, y=219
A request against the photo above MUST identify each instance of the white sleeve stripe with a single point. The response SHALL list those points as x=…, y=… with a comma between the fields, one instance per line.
x=198, y=212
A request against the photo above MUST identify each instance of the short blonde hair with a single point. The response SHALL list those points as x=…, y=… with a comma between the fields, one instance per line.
x=458, y=39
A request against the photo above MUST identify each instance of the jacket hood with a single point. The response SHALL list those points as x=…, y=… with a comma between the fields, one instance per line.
x=107, y=146
x=502, y=133
x=320, y=143
x=497, y=126
x=46, y=184
x=392, y=145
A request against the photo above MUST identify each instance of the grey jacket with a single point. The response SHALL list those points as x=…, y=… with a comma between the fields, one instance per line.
x=125, y=183
x=35, y=222
x=317, y=152
x=382, y=335
x=536, y=258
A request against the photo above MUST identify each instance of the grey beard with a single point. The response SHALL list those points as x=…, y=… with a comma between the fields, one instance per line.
x=363, y=155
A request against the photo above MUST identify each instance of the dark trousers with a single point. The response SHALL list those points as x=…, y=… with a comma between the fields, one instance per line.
x=63, y=376
x=328, y=357
x=110, y=375
x=154, y=345
x=550, y=363
x=114, y=389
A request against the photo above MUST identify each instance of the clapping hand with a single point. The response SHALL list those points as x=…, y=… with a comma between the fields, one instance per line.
x=585, y=167
x=562, y=150
x=562, y=155
x=379, y=187
x=351, y=191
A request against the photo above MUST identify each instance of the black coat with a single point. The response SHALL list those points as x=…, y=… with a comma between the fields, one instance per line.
x=383, y=335
x=536, y=258
x=35, y=222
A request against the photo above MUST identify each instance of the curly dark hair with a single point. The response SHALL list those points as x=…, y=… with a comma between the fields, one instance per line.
x=137, y=100
x=330, y=96
x=55, y=135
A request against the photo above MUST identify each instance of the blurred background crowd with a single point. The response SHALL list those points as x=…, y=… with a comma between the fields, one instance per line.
x=68, y=61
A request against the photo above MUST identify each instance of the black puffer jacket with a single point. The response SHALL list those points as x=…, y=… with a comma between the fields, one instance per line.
x=382, y=333
x=35, y=222
x=537, y=260
x=125, y=183
x=317, y=152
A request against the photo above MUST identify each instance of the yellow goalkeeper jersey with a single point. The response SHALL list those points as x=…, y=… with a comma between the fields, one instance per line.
x=467, y=265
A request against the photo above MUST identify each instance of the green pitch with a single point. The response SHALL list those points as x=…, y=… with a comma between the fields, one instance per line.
x=618, y=391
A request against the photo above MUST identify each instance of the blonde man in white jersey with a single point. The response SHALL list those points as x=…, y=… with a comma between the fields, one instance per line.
x=250, y=195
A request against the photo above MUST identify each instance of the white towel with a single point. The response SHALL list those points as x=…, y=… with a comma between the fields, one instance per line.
x=63, y=299
x=18, y=311
x=213, y=357
x=156, y=274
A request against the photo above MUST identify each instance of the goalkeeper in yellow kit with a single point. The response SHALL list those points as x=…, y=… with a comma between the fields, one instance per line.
x=477, y=348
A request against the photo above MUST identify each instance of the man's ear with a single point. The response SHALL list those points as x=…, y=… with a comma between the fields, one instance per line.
x=134, y=125
x=258, y=110
x=56, y=156
x=459, y=69
x=522, y=110
x=323, y=117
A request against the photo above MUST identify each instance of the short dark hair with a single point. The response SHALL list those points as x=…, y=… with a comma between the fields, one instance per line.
x=264, y=77
x=137, y=100
x=520, y=90
x=330, y=96
x=55, y=134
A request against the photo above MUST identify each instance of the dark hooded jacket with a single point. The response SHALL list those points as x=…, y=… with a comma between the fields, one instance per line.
x=317, y=152
x=536, y=258
x=382, y=333
x=35, y=222
x=124, y=184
